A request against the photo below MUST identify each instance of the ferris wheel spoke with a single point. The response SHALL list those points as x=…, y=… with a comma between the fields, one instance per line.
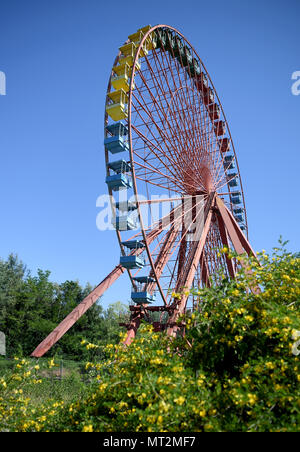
x=192, y=120
x=149, y=114
x=204, y=136
x=167, y=71
x=165, y=136
x=169, y=242
x=181, y=85
x=186, y=231
x=152, y=170
x=154, y=149
x=194, y=162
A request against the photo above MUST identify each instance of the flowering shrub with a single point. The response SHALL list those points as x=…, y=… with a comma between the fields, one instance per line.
x=17, y=412
x=241, y=373
x=246, y=341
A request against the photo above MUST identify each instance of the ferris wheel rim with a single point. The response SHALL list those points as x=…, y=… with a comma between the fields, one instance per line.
x=129, y=121
x=136, y=191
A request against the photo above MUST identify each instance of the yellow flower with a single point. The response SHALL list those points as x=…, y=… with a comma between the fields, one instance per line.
x=89, y=346
x=180, y=400
x=227, y=301
x=270, y=365
x=252, y=399
x=249, y=318
x=102, y=387
x=87, y=428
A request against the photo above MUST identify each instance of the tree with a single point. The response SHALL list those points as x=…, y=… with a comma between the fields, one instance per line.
x=32, y=306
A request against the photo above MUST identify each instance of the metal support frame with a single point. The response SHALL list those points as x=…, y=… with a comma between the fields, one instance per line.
x=88, y=301
x=228, y=228
x=197, y=252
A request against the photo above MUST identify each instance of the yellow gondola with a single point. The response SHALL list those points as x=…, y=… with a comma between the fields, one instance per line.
x=136, y=38
x=128, y=54
x=150, y=41
x=145, y=29
x=116, y=107
x=121, y=77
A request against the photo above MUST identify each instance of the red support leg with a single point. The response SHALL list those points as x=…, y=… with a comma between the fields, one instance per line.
x=69, y=321
x=197, y=251
x=225, y=241
x=204, y=271
x=239, y=241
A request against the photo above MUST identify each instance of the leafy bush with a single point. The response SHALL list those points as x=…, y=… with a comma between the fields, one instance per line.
x=235, y=369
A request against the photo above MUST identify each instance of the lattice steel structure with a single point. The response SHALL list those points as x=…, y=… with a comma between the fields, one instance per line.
x=173, y=177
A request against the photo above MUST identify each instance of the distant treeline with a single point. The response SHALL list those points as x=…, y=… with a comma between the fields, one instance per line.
x=32, y=306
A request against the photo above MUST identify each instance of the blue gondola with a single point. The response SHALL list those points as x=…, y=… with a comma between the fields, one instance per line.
x=238, y=210
x=117, y=142
x=178, y=47
x=194, y=68
x=124, y=223
x=119, y=166
x=236, y=197
x=117, y=128
x=126, y=206
x=118, y=181
x=239, y=218
x=185, y=56
x=229, y=162
x=233, y=183
x=140, y=295
x=132, y=261
x=160, y=38
x=143, y=279
x=133, y=244
x=232, y=177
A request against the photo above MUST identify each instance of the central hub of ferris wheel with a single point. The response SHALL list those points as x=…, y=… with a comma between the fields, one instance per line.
x=167, y=142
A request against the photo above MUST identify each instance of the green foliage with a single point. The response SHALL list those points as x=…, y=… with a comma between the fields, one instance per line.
x=236, y=368
x=32, y=392
x=32, y=306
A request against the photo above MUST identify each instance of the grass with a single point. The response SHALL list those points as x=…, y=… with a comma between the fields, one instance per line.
x=65, y=382
x=67, y=389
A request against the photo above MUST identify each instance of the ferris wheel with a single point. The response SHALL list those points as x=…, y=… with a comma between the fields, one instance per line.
x=173, y=178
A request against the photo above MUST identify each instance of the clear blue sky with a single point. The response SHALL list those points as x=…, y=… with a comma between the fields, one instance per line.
x=57, y=58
